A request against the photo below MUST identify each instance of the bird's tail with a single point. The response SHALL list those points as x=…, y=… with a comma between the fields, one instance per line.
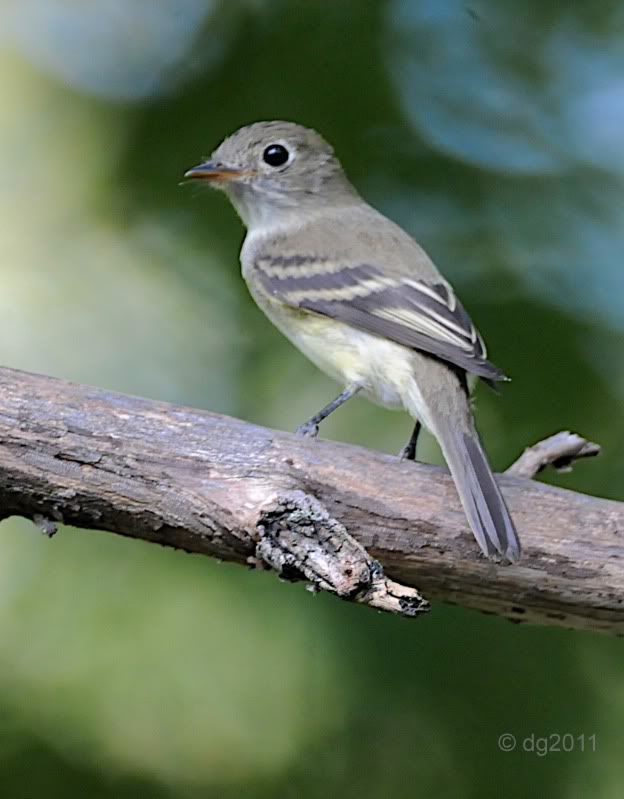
x=478, y=491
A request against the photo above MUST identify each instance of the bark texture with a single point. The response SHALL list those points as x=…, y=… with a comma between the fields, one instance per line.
x=361, y=524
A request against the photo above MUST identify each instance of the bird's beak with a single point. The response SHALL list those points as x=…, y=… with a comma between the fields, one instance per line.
x=213, y=172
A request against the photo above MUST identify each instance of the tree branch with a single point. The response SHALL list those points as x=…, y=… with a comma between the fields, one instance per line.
x=211, y=484
x=560, y=451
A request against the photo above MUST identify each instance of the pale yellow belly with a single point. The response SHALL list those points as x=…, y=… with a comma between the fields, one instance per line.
x=383, y=369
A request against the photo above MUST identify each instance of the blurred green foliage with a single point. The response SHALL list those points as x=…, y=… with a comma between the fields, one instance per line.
x=491, y=131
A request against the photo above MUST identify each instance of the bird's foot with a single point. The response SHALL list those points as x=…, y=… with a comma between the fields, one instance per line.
x=408, y=453
x=308, y=430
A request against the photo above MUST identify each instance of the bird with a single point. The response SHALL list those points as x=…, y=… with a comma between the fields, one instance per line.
x=362, y=300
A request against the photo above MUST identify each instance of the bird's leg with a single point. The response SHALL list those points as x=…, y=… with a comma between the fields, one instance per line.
x=311, y=427
x=408, y=453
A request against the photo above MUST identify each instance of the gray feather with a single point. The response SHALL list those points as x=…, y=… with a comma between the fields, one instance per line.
x=421, y=314
x=480, y=495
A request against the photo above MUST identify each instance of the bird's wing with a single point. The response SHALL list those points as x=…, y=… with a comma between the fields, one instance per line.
x=423, y=315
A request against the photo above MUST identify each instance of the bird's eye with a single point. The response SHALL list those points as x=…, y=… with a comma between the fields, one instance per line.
x=275, y=155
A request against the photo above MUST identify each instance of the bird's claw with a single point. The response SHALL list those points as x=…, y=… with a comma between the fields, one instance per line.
x=308, y=430
x=408, y=453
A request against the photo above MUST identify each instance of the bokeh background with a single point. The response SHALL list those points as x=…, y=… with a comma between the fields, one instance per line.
x=493, y=130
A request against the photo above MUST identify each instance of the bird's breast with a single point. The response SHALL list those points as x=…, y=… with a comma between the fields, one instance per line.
x=381, y=367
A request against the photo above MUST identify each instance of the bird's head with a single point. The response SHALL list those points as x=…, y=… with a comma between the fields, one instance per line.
x=270, y=167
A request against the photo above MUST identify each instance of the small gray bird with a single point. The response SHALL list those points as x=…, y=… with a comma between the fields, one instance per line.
x=362, y=300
